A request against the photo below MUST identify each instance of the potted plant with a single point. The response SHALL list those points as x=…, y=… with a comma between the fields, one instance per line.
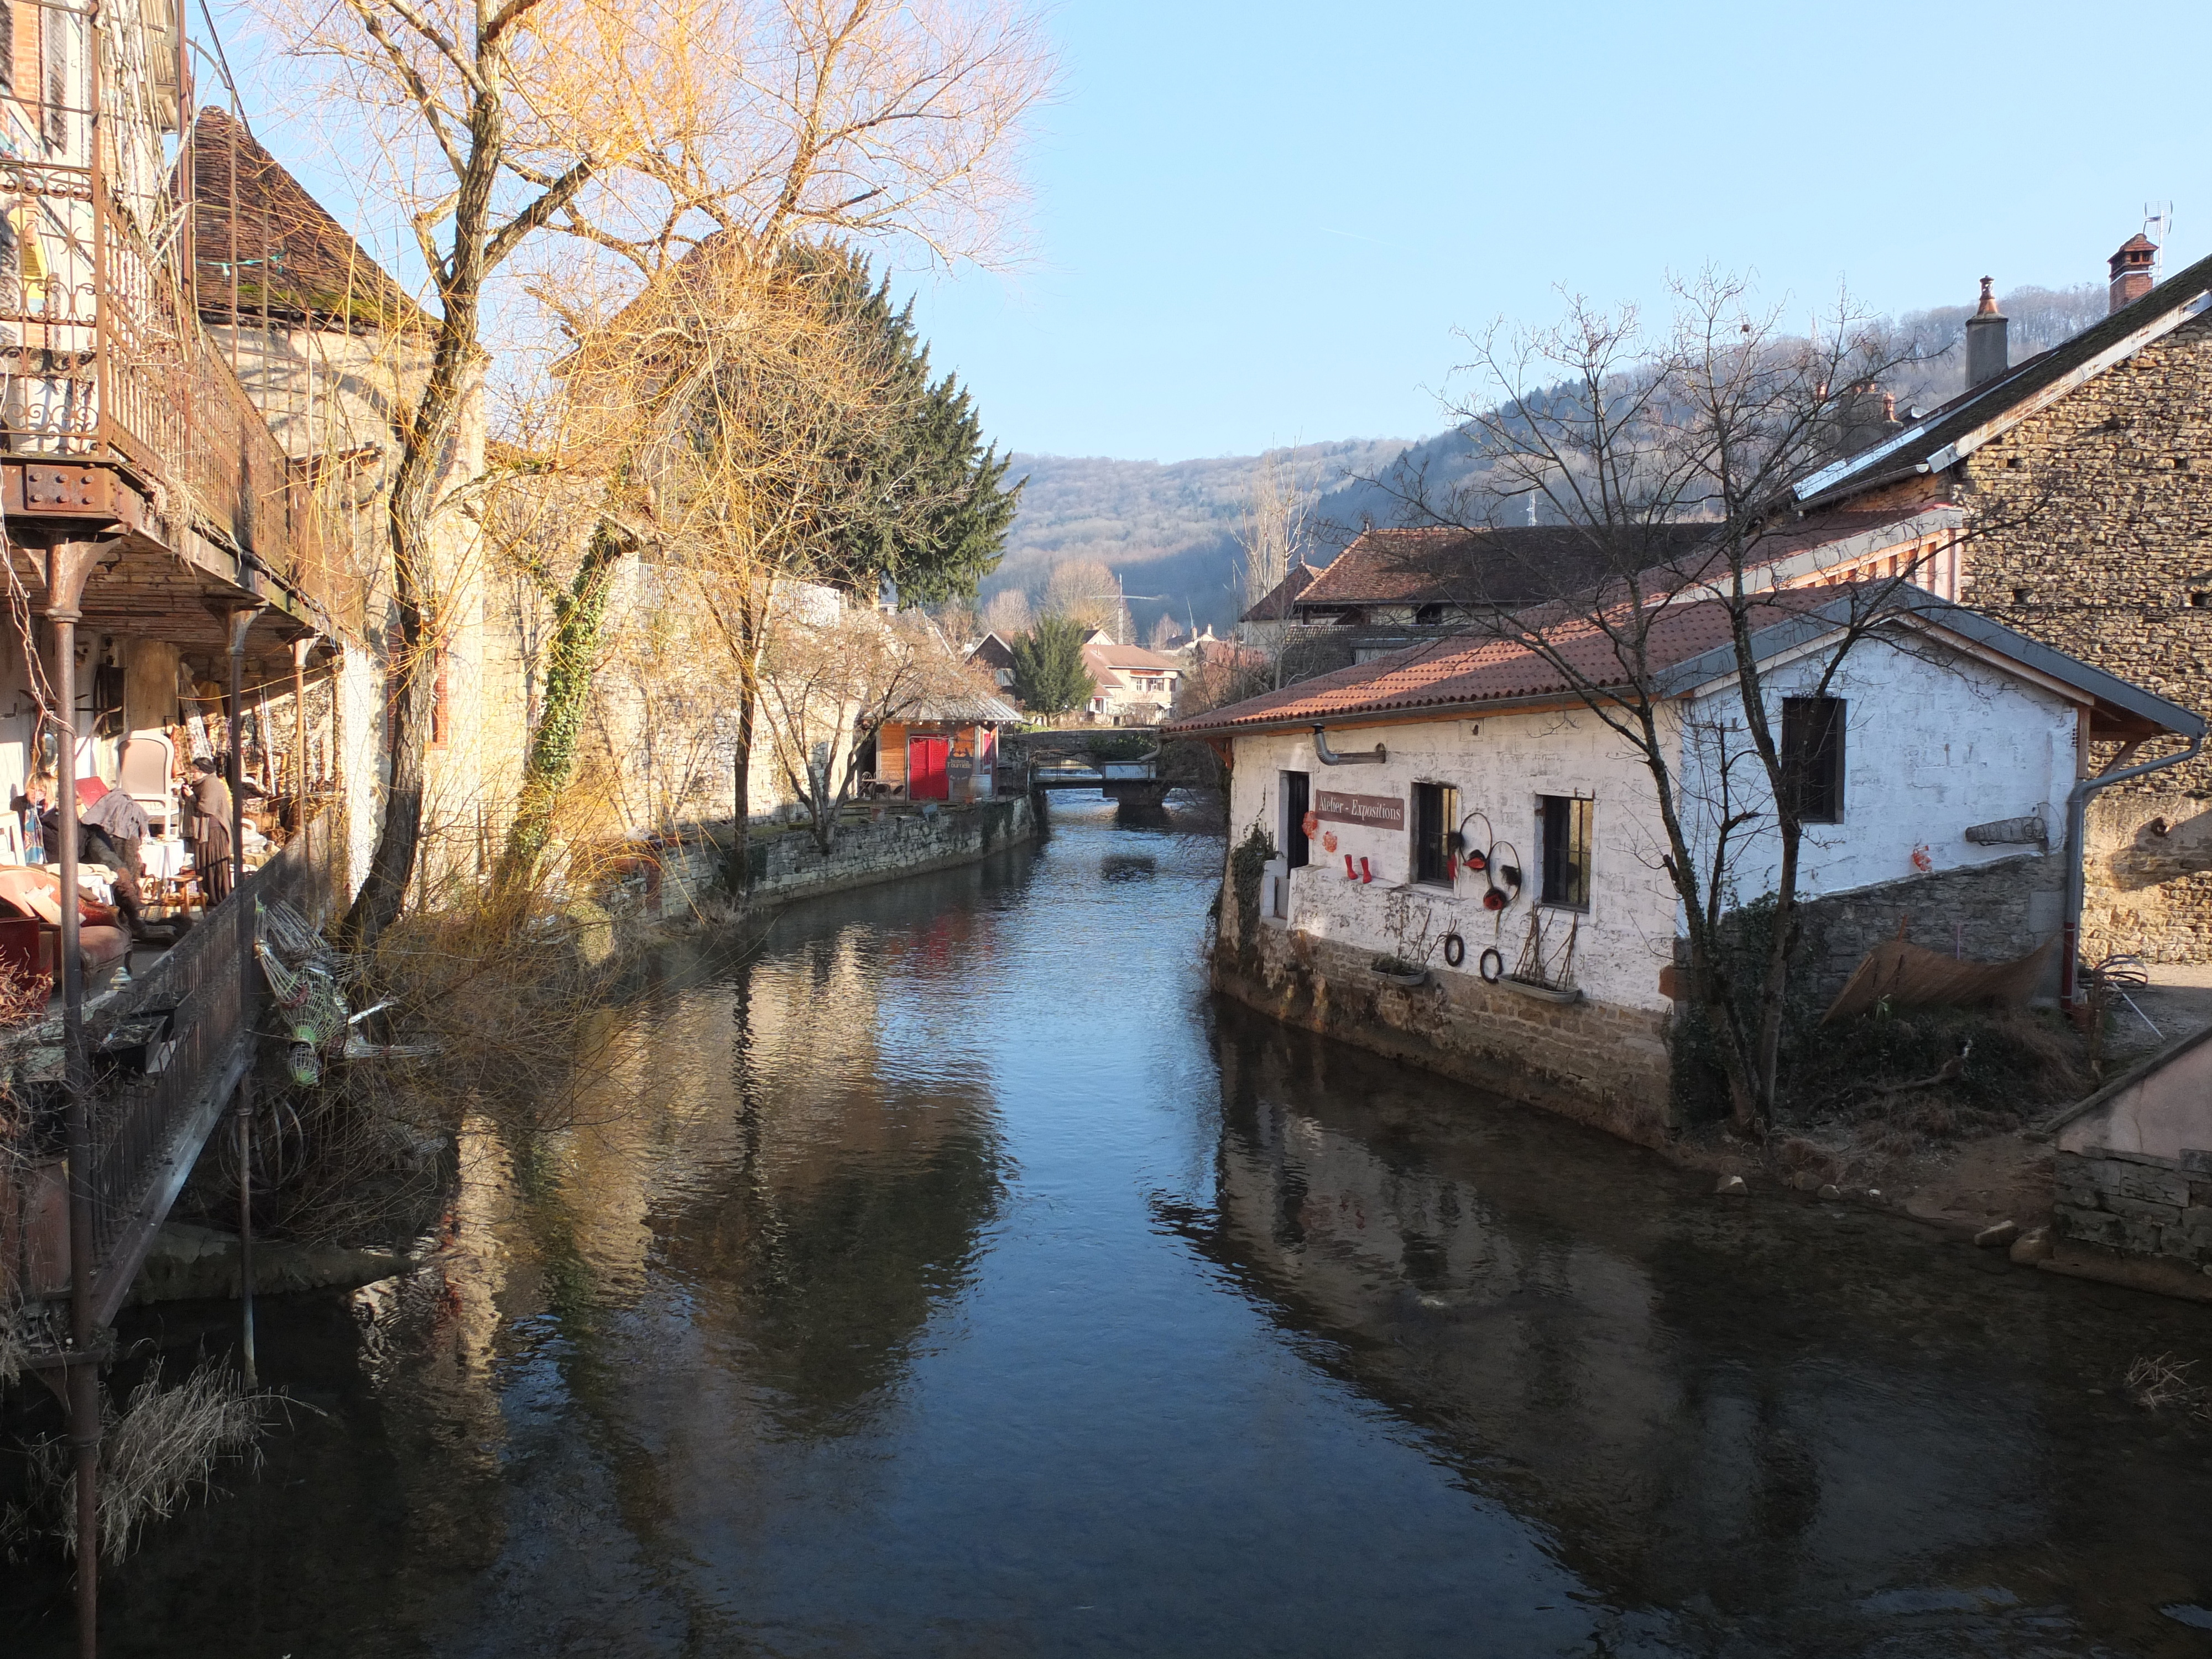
x=1413, y=931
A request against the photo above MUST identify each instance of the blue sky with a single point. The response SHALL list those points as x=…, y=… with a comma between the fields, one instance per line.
x=1257, y=224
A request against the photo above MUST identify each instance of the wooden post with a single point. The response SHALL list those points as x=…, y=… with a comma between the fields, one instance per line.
x=68, y=566
x=300, y=647
x=241, y=619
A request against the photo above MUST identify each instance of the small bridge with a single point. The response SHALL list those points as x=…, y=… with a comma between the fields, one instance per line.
x=1131, y=782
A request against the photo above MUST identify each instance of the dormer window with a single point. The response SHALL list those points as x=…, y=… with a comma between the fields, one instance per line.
x=1428, y=616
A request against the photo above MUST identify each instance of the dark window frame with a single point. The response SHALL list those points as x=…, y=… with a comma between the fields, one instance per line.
x=1566, y=836
x=1297, y=801
x=1815, y=735
x=1433, y=816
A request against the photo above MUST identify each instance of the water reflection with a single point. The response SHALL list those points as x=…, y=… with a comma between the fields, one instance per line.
x=1799, y=1426
x=952, y=1278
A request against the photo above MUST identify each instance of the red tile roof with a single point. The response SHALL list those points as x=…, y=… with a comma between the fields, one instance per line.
x=1469, y=669
x=1514, y=565
x=1275, y=605
x=293, y=257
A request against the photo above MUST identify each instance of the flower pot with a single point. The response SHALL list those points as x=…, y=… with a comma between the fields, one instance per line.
x=1398, y=974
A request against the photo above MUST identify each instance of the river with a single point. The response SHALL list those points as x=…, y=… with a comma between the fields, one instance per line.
x=954, y=1278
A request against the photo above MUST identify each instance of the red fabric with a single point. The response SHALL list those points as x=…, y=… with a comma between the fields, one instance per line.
x=89, y=790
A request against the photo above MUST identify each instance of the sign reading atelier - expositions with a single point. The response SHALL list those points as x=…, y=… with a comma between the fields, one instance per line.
x=1375, y=812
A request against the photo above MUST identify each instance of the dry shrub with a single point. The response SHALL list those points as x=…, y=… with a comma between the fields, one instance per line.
x=23, y=996
x=2157, y=1381
x=162, y=1447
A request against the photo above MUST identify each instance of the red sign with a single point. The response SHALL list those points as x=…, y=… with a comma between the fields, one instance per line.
x=1374, y=812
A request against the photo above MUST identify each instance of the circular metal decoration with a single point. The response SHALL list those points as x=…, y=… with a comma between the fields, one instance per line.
x=1454, y=950
x=1490, y=965
x=1311, y=824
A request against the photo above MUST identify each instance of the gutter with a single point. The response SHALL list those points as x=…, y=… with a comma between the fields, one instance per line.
x=2077, y=816
x=1328, y=756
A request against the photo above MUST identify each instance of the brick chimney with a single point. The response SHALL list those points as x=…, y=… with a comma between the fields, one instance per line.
x=1988, y=353
x=2131, y=271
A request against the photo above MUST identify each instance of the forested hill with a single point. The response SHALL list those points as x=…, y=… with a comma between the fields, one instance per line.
x=1167, y=530
x=1170, y=530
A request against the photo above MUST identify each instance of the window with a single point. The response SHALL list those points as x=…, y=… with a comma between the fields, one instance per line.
x=1435, y=815
x=442, y=700
x=1297, y=800
x=1813, y=753
x=1563, y=828
x=1428, y=615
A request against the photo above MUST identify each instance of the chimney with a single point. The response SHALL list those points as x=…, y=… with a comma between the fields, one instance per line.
x=1988, y=354
x=2133, y=268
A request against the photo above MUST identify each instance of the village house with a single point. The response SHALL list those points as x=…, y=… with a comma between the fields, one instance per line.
x=1130, y=686
x=1459, y=808
x=996, y=657
x=1392, y=588
x=1270, y=618
x=2077, y=486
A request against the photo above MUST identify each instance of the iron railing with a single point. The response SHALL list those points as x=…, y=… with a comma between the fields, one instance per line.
x=104, y=359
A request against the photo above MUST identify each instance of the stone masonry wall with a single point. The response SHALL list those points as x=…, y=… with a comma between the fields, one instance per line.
x=1989, y=913
x=2092, y=533
x=674, y=877
x=791, y=867
x=1593, y=1061
x=2137, y=1204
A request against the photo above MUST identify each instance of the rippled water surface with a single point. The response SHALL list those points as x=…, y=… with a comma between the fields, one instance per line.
x=955, y=1279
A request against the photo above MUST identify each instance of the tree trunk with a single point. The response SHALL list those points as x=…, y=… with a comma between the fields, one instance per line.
x=427, y=436
x=572, y=659
x=410, y=694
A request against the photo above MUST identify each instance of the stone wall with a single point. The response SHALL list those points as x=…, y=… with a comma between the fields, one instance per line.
x=1593, y=1061
x=2093, y=532
x=675, y=876
x=2137, y=1203
x=1989, y=913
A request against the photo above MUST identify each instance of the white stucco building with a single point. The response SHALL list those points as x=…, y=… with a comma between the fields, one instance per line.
x=1463, y=807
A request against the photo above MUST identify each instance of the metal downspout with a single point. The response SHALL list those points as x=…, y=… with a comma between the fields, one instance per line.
x=1328, y=756
x=2077, y=818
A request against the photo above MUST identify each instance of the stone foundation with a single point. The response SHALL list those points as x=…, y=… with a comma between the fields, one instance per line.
x=1990, y=912
x=1597, y=1063
x=2136, y=1204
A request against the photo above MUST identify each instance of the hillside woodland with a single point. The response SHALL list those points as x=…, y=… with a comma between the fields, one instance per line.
x=1169, y=531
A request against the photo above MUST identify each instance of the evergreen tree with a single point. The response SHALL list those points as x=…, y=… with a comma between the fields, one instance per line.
x=926, y=505
x=1050, y=677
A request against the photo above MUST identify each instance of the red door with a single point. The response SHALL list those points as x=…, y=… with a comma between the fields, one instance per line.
x=925, y=769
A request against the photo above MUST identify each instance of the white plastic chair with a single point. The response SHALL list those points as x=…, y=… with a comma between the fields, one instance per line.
x=143, y=772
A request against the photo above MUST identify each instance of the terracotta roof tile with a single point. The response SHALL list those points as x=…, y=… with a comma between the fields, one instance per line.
x=1469, y=669
x=291, y=254
x=1275, y=605
x=1513, y=565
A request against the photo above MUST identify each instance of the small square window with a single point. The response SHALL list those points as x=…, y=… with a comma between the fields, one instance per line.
x=2200, y=600
x=1812, y=756
x=2022, y=595
x=1563, y=829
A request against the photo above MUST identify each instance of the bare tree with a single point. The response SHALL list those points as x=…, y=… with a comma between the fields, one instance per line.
x=641, y=133
x=1087, y=593
x=837, y=674
x=1623, y=438
x=1272, y=533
